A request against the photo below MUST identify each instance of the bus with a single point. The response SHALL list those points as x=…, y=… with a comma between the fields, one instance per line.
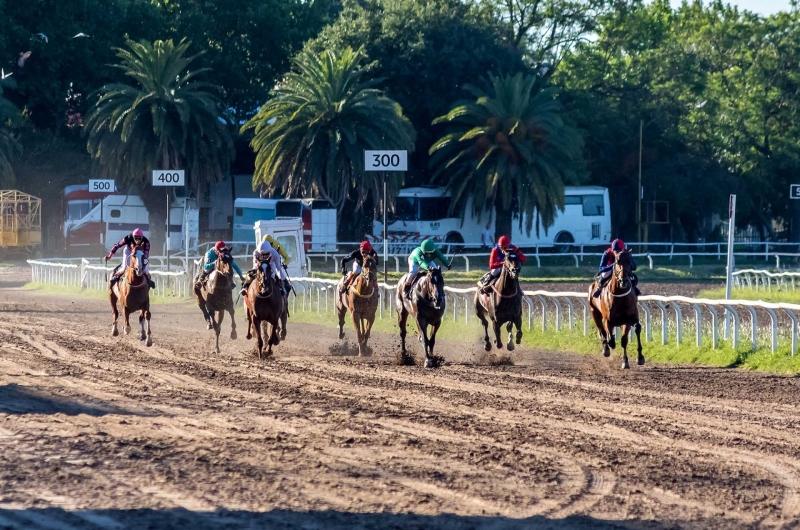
x=421, y=213
x=319, y=219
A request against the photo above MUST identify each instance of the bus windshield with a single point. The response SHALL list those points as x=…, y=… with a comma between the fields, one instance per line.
x=422, y=209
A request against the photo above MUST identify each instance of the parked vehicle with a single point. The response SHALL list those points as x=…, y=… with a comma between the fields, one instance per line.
x=20, y=222
x=318, y=219
x=289, y=233
x=421, y=213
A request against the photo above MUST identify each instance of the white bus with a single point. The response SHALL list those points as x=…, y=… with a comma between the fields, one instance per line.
x=422, y=213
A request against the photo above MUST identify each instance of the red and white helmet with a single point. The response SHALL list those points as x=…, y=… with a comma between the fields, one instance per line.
x=219, y=246
x=504, y=242
x=618, y=245
x=138, y=233
x=365, y=246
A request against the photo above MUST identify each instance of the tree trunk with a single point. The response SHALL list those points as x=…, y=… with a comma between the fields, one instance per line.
x=155, y=200
x=503, y=220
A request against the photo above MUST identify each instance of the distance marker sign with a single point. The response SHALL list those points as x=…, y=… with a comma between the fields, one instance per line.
x=794, y=191
x=385, y=160
x=169, y=177
x=102, y=186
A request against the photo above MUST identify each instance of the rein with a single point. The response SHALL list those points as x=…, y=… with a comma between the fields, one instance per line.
x=358, y=293
x=512, y=295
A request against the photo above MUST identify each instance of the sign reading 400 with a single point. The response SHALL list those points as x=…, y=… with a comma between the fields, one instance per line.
x=385, y=161
x=169, y=177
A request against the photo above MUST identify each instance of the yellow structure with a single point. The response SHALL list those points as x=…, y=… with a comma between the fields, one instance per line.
x=20, y=219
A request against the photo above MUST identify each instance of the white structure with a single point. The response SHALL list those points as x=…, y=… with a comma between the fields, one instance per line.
x=422, y=213
x=289, y=233
x=319, y=219
x=119, y=215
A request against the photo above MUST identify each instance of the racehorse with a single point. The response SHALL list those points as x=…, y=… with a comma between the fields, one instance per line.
x=361, y=299
x=263, y=304
x=503, y=304
x=215, y=296
x=427, y=305
x=133, y=293
x=618, y=306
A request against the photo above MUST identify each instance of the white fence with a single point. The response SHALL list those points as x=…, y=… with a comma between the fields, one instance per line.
x=758, y=279
x=558, y=311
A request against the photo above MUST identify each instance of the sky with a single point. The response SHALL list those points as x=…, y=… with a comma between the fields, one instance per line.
x=762, y=7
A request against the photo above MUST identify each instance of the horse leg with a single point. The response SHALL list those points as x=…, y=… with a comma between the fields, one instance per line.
x=284, y=318
x=273, y=337
x=218, y=327
x=432, y=338
x=359, y=335
x=402, y=321
x=601, y=329
x=496, y=325
x=422, y=327
x=232, y=311
x=487, y=345
x=509, y=328
x=367, y=330
x=342, y=312
x=256, y=323
x=518, y=324
x=624, y=341
x=142, y=335
x=612, y=337
x=115, y=313
x=126, y=315
x=149, y=333
x=201, y=303
x=639, y=358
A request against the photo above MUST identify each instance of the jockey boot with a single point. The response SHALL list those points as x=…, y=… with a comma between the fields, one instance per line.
x=485, y=282
x=150, y=281
x=114, y=279
x=287, y=286
x=346, y=283
x=601, y=282
x=407, y=291
x=635, y=282
x=201, y=278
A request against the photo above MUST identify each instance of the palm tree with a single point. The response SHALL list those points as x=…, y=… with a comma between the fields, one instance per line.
x=509, y=149
x=166, y=120
x=10, y=147
x=311, y=136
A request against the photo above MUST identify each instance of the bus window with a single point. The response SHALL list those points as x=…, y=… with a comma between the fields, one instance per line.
x=572, y=199
x=433, y=209
x=593, y=205
x=78, y=209
x=405, y=209
x=289, y=244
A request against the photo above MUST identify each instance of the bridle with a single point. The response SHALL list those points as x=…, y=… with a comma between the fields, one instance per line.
x=621, y=275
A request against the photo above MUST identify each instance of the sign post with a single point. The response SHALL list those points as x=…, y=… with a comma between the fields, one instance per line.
x=729, y=270
x=385, y=161
x=169, y=178
x=103, y=187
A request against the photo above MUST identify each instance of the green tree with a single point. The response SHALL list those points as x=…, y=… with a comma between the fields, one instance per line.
x=10, y=147
x=426, y=52
x=311, y=135
x=511, y=150
x=167, y=120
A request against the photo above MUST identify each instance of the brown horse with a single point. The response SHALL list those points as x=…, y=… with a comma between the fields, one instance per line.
x=427, y=305
x=361, y=299
x=503, y=304
x=133, y=293
x=617, y=306
x=215, y=296
x=263, y=304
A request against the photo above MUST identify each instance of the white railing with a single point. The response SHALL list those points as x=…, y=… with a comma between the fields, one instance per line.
x=562, y=309
x=758, y=279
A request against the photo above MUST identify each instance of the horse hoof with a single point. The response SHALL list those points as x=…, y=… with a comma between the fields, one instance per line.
x=626, y=366
x=142, y=337
x=341, y=335
x=498, y=344
x=234, y=335
x=519, y=337
x=640, y=361
x=510, y=346
x=487, y=347
x=248, y=336
x=126, y=330
x=114, y=332
x=606, y=353
x=429, y=363
x=283, y=334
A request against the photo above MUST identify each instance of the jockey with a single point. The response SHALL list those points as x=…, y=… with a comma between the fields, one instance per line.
x=607, y=267
x=284, y=257
x=359, y=255
x=210, y=259
x=496, y=258
x=422, y=258
x=132, y=241
x=265, y=253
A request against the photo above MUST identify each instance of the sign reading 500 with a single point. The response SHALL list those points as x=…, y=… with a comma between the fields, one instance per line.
x=385, y=160
x=169, y=177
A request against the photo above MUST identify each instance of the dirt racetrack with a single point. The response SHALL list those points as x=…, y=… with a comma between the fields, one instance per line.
x=98, y=432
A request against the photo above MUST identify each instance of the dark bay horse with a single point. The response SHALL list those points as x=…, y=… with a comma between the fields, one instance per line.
x=503, y=304
x=133, y=293
x=361, y=299
x=618, y=306
x=215, y=296
x=427, y=305
x=264, y=304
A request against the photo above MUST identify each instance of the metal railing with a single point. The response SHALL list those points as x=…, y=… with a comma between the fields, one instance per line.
x=758, y=279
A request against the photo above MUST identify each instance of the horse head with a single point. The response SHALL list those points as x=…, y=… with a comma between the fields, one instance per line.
x=622, y=267
x=512, y=265
x=137, y=261
x=224, y=263
x=262, y=276
x=368, y=270
x=434, y=287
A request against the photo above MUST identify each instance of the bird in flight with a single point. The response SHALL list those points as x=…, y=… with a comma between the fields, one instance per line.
x=43, y=36
x=80, y=35
x=22, y=57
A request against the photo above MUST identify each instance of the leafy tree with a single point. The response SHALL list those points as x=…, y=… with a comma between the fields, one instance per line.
x=10, y=147
x=167, y=120
x=425, y=52
x=511, y=150
x=311, y=135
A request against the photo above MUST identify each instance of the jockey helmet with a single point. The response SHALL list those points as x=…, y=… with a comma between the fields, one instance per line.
x=219, y=246
x=265, y=248
x=138, y=233
x=618, y=245
x=428, y=246
x=365, y=247
x=504, y=242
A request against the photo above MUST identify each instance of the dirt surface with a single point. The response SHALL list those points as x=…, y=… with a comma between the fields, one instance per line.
x=102, y=432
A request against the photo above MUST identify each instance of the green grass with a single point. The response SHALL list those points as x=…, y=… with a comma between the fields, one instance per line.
x=574, y=341
x=69, y=290
x=775, y=296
